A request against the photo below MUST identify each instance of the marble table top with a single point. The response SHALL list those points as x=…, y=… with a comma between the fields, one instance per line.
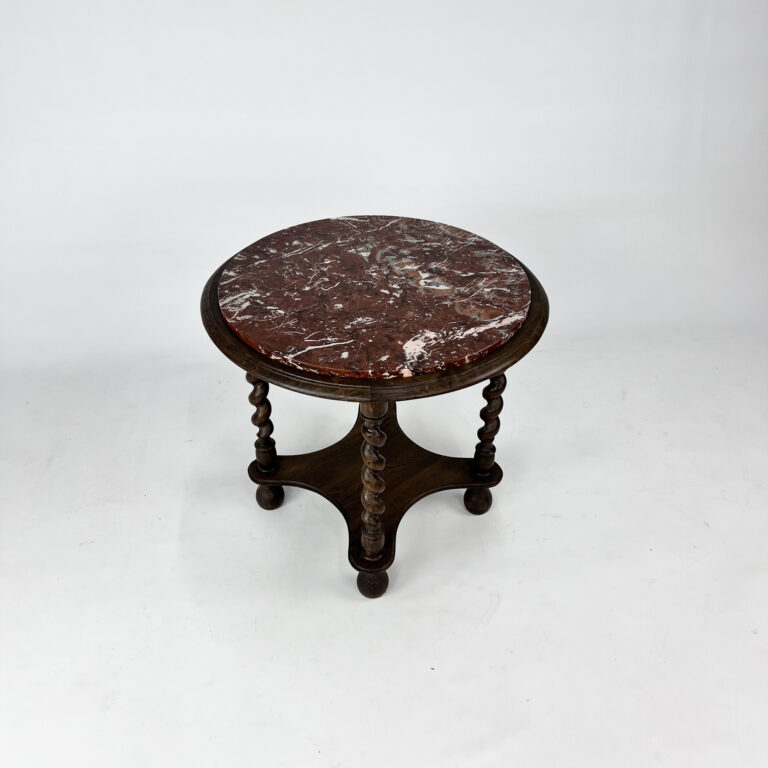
x=374, y=297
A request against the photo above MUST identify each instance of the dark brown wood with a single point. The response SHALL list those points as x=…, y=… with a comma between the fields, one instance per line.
x=485, y=450
x=410, y=474
x=478, y=500
x=371, y=497
x=372, y=584
x=363, y=390
x=267, y=496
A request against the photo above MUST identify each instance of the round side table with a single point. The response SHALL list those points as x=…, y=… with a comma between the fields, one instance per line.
x=374, y=310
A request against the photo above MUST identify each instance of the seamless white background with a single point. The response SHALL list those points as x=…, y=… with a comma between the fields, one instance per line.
x=610, y=610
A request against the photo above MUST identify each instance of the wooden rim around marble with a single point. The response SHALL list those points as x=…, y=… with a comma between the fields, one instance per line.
x=371, y=390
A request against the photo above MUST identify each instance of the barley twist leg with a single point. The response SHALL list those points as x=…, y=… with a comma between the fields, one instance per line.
x=479, y=500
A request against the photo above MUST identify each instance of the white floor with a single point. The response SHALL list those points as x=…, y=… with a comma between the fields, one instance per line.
x=611, y=609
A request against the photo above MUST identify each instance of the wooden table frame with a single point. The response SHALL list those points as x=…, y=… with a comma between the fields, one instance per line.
x=375, y=473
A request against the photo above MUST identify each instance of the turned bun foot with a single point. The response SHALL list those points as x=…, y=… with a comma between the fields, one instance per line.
x=372, y=584
x=478, y=500
x=270, y=496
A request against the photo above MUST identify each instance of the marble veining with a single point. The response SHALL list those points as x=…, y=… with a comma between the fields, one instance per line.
x=374, y=296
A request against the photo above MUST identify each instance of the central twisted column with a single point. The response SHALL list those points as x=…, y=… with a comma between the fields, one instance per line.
x=372, y=536
x=372, y=584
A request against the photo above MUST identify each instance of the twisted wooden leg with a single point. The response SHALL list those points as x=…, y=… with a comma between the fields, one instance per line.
x=373, y=583
x=267, y=496
x=479, y=500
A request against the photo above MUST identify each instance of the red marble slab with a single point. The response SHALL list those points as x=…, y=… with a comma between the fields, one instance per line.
x=374, y=296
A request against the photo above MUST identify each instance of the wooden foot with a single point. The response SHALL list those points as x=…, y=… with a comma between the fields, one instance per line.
x=478, y=500
x=372, y=584
x=270, y=496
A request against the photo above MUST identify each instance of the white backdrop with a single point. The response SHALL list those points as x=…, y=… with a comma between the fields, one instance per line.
x=610, y=610
x=618, y=149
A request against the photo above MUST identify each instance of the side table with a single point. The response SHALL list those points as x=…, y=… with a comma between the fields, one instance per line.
x=374, y=310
